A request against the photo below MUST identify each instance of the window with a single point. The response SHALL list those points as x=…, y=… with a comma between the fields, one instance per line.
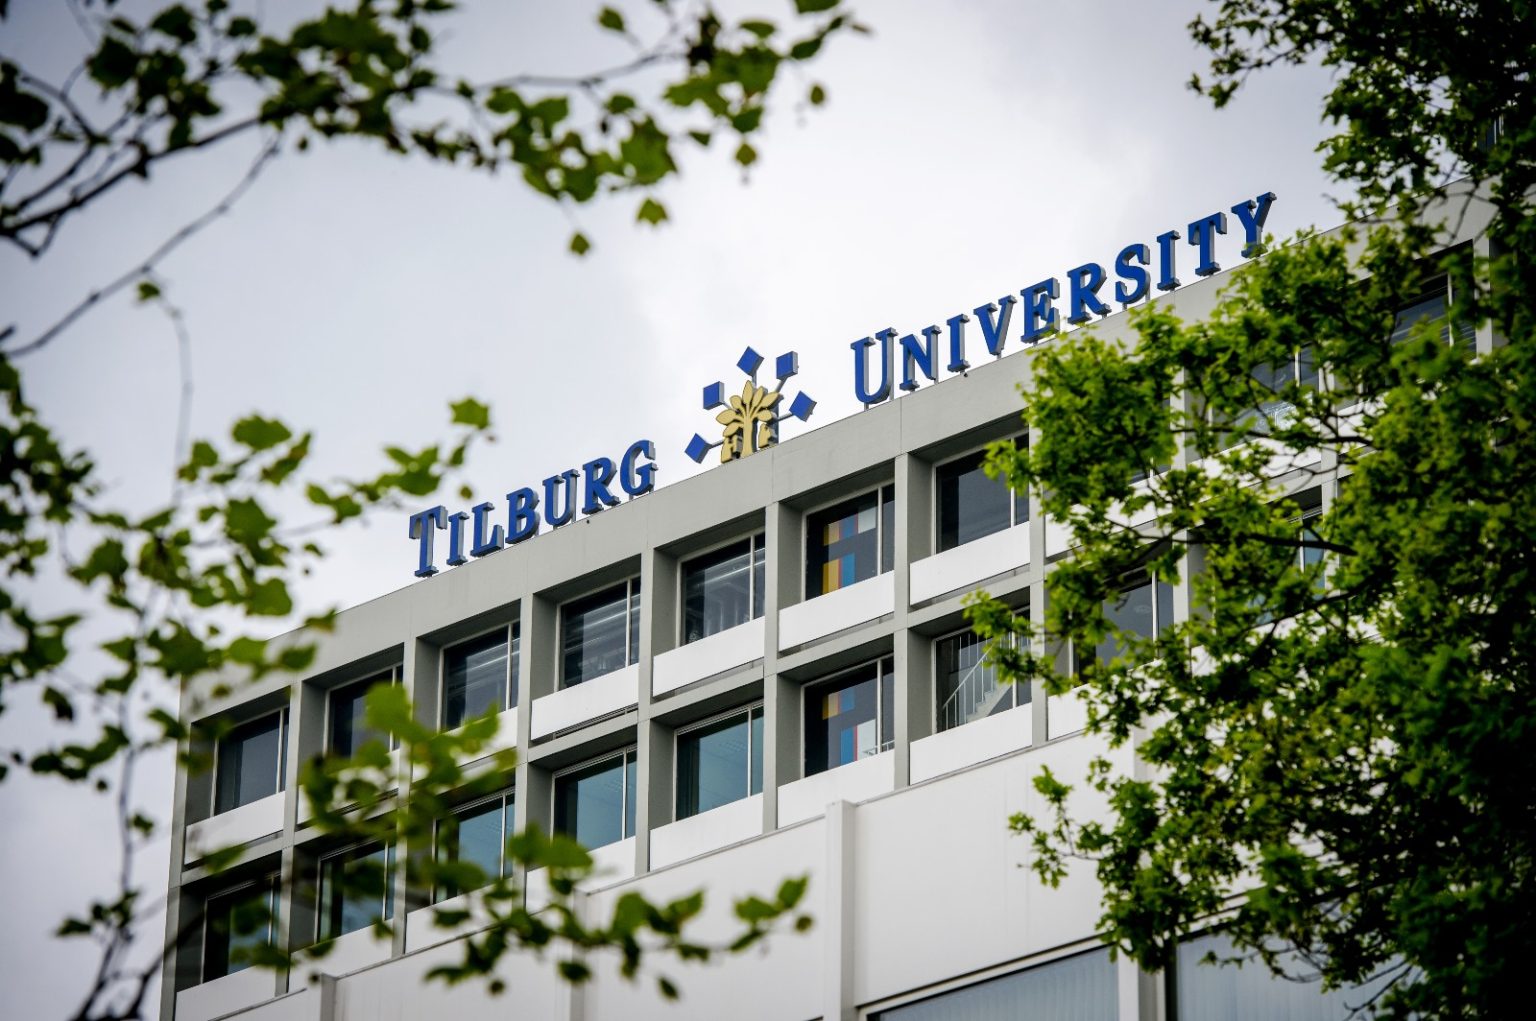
x=1215, y=992
x=1271, y=410
x=720, y=762
x=596, y=803
x=850, y=542
x=236, y=923
x=249, y=764
x=1434, y=304
x=476, y=835
x=600, y=633
x=1083, y=987
x=480, y=676
x=1143, y=609
x=849, y=717
x=357, y=889
x=723, y=589
x=968, y=686
x=971, y=505
x=346, y=709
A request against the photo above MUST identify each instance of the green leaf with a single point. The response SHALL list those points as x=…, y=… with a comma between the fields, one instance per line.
x=651, y=212
x=814, y=6
x=761, y=29
x=148, y=290
x=579, y=244
x=610, y=19
x=746, y=155
x=818, y=95
x=259, y=433
x=472, y=413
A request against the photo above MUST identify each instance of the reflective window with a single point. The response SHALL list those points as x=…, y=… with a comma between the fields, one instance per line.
x=850, y=542
x=971, y=505
x=1142, y=610
x=1434, y=305
x=479, y=677
x=1078, y=988
x=600, y=633
x=720, y=762
x=850, y=716
x=347, y=709
x=968, y=687
x=476, y=835
x=596, y=804
x=1216, y=992
x=357, y=888
x=249, y=763
x=723, y=589
x=235, y=925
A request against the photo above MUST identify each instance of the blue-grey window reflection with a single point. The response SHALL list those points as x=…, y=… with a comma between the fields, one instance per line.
x=596, y=804
x=479, y=677
x=476, y=836
x=600, y=633
x=1142, y=610
x=1217, y=992
x=720, y=762
x=249, y=764
x=971, y=505
x=356, y=890
x=1078, y=988
x=348, y=712
x=236, y=925
x=850, y=716
x=722, y=589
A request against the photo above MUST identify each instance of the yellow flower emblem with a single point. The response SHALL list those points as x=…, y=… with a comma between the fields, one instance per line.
x=748, y=422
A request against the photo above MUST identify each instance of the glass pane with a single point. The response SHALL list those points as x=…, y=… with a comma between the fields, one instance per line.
x=249, y=761
x=887, y=529
x=968, y=688
x=237, y=923
x=474, y=678
x=717, y=590
x=629, y=794
x=713, y=766
x=840, y=545
x=887, y=735
x=1164, y=605
x=516, y=662
x=1080, y=988
x=1131, y=612
x=477, y=841
x=589, y=804
x=634, y=621
x=349, y=726
x=594, y=634
x=970, y=504
x=756, y=779
x=758, y=576
x=355, y=891
x=1215, y=992
x=840, y=720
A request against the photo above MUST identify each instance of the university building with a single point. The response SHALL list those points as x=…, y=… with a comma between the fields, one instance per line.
x=760, y=672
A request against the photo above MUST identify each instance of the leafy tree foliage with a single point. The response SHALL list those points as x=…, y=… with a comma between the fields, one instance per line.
x=178, y=592
x=1335, y=738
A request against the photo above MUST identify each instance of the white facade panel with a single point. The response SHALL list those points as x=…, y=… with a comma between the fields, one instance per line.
x=348, y=953
x=400, y=991
x=570, y=707
x=716, y=654
x=966, y=566
x=1065, y=714
x=611, y=863
x=970, y=743
x=857, y=781
x=261, y=818
x=836, y=611
x=707, y=831
x=225, y=995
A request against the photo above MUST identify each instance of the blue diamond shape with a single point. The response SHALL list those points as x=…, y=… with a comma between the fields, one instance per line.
x=786, y=365
x=714, y=395
x=802, y=406
x=698, y=447
x=750, y=362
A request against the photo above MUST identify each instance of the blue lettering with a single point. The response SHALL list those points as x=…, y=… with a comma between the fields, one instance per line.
x=485, y=543
x=1203, y=233
x=915, y=355
x=861, y=388
x=1039, y=315
x=957, y=362
x=1252, y=215
x=995, y=332
x=424, y=526
x=522, y=515
x=1126, y=270
x=1084, y=303
x=598, y=474
x=1168, y=276
x=638, y=480
x=552, y=512
x=456, y=538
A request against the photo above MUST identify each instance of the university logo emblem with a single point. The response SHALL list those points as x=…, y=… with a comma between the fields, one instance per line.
x=751, y=420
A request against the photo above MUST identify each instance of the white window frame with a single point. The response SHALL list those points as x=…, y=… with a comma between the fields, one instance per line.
x=744, y=710
x=757, y=601
x=629, y=584
x=805, y=531
x=442, y=669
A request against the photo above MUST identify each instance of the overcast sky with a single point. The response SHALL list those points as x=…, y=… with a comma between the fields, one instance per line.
x=967, y=149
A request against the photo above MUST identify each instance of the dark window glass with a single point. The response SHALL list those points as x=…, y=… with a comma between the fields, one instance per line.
x=600, y=633
x=237, y=923
x=516, y=663
x=477, y=835
x=595, y=805
x=1079, y=988
x=970, y=504
x=1434, y=306
x=250, y=763
x=475, y=679
x=356, y=890
x=1217, y=992
x=1142, y=610
x=968, y=688
x=887, y=529
x=722, y=589
x=349, y=717
x=719, y=763
x=849, y=717
x=843, y=543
